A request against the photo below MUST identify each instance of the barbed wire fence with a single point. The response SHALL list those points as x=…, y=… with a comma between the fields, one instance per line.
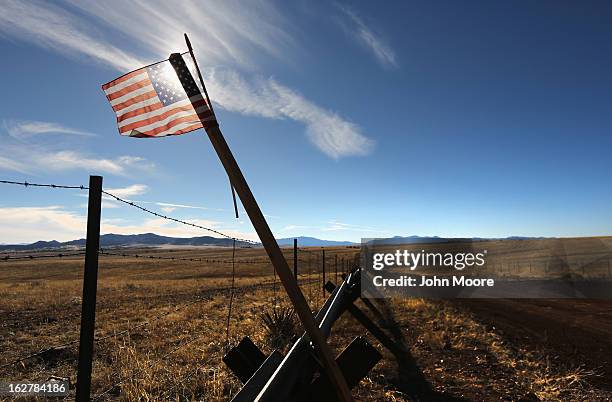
x=306, y=256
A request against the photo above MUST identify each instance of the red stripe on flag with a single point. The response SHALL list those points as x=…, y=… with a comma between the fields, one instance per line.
x=171, y=124
x=128, y=89
x=178, y=132
x=148, y=109
x=121, y=79
x=159, y=117
x=142, y=110
x=136, y=99
x=187, y=129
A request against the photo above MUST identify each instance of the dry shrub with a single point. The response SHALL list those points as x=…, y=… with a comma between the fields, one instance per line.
x=280, y=326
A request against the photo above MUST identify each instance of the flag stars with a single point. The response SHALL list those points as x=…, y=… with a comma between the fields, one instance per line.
x=166, y=83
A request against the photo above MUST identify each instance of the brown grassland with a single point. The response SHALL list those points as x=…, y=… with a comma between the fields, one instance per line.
x=161, y=329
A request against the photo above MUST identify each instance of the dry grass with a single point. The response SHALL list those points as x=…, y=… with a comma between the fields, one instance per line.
x=170, y=318
x=455, y=335
x=169, y=324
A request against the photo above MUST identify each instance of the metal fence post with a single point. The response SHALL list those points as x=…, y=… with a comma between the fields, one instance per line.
x=90, y=283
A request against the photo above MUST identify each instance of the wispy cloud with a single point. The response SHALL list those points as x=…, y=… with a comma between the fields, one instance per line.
x=23, y=129
x=29, y=224
x=129, y=191
x=53, y=27
x=43, y=154
x=290, y=228
x=234, y=35
x=331, y=133
x=365, y=35
x=65, y=160
x=35, y=160
x=334, y=226
x=331, y=226
x=7, y=163
x=176, y=206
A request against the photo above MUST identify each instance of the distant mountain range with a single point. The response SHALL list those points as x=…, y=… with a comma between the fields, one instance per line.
x=117, y=240
x=305, y=241
x=152, y=239
x=437, y=239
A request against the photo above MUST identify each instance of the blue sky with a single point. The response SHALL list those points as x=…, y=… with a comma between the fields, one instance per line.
x=349, y=120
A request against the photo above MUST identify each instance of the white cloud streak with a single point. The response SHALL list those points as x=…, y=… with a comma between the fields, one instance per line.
x=233, y=34
x=363, y=34
x=7, y=163
x=129, y=191
x=334, y=226
x=35, y=160
x=29, y=224
x=41, y=153
x=231, y=31
x=52, y=27
x=332, y=134
x=177, y=206
x=23, y=129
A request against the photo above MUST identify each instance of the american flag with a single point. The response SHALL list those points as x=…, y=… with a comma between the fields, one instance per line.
x=151, y=102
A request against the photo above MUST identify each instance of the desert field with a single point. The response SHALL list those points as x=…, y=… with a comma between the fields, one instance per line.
x=161, y=328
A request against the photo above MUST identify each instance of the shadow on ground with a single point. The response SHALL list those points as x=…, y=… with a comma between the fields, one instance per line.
x=411, y=380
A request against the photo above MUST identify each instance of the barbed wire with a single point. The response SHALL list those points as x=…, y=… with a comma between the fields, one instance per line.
x=26, y=184
x=40, y=352
x=136, y=205
x=191, y=259
x=316, y=253
x=9, y=257
x=195, y=225
x=36, y=256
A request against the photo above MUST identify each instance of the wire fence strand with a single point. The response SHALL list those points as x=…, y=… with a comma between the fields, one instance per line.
x=27, y=184
x=195, y=225
x=37, y=256
x=191, y=259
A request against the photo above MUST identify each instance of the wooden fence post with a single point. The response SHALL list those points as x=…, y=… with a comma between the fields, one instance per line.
x=90, y=285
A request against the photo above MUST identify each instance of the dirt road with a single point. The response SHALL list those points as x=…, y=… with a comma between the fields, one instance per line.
x=572, y=331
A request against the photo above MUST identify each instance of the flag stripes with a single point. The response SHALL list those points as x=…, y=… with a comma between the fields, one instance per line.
x=150, y=102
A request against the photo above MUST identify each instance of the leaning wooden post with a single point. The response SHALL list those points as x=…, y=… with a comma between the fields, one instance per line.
x=90, y=285
x=263, y=231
